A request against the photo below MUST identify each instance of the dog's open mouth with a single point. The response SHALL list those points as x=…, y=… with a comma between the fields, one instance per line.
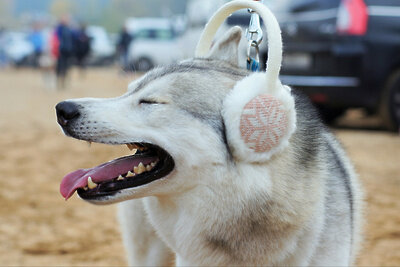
x=148, y=163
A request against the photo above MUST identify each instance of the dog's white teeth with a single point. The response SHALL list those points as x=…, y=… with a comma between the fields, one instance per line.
x=141, y=167
x=120, y=178
x=130, y=174
x=91, y=184
x=89, y=143
x=153, y=164
x=136, y=170
x=85, y=188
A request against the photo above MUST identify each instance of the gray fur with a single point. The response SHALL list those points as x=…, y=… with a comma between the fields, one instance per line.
x=302, y=207
x=199, y=64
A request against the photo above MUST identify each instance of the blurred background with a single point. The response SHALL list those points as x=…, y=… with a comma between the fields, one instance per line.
x=344, y=54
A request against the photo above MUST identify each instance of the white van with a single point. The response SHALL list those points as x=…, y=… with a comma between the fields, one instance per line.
x=154, y=43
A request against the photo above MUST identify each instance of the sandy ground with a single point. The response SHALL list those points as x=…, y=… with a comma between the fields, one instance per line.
x=37, y=227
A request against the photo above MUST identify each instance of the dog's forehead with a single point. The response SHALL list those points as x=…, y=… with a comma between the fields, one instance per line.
x=199, y=77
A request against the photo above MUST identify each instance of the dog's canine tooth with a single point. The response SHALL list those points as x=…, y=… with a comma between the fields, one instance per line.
x=141, y=167
x=130, y=174
x=120, y=178
x=148, y=167
x=91, y=184
x=153, y=164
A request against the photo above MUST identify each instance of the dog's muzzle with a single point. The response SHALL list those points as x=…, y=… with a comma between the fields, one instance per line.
x=147, y=163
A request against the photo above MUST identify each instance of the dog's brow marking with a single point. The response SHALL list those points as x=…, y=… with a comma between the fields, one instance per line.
x=182, y=68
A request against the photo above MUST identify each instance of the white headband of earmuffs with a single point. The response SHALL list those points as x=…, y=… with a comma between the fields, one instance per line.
x=259, y=113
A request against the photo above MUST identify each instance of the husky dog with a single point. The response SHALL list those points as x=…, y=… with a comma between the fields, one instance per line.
x=186, y=199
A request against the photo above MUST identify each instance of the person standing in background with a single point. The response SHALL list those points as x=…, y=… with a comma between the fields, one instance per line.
x=65, y=51
x=82, y=46
x=122, y=47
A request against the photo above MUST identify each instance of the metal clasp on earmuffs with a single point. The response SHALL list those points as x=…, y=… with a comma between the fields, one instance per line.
x=254, y=35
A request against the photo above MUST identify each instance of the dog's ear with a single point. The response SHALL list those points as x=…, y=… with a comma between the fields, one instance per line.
x=226, y=48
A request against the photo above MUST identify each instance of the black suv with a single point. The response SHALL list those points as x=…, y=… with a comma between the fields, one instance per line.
x=344, y=53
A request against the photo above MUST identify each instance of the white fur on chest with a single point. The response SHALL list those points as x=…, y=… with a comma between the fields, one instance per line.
x=205, y=226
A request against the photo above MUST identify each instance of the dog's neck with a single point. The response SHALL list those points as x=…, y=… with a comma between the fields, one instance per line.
x=213, y=226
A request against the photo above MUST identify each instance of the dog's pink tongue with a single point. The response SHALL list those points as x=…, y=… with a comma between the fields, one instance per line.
x=104, y=172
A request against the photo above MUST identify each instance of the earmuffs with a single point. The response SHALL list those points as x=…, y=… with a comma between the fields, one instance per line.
x=259, y=112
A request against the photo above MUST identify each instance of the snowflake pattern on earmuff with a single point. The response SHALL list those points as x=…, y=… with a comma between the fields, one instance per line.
x=263, y=123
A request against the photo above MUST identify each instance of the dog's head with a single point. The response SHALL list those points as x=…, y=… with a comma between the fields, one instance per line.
x=170, y=119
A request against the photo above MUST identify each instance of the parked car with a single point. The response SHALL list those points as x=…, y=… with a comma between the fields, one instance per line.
x=17, y=48
x=154, y=43
x=102, y=49
x=343, y=54
x=197, y=14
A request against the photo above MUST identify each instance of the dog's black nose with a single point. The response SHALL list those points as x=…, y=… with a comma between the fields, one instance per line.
x=66, y=112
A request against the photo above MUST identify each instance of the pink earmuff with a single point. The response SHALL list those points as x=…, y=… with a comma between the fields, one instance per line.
x=259, y=112
x=263, y=123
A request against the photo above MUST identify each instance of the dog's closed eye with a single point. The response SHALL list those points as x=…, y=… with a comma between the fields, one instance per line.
x=151, y=102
